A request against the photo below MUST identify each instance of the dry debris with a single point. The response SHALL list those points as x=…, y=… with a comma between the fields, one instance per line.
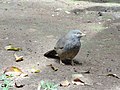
x=19, y=86
x=76, y=79
x=15, y=71
x=65, y=83
x=34, y=70
x=18, y=58
x=113, y=75
x=12, y=48
x=55, y=69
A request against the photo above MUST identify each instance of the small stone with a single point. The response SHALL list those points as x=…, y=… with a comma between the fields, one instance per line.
x=6, y=9
x=67, y=12
x=89, y=21
x=58, y=9
x=53, y=15
x=100, y=14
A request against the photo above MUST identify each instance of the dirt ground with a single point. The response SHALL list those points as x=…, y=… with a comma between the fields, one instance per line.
x=36, y=25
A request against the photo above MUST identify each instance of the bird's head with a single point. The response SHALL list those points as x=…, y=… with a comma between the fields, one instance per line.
x=76, y=33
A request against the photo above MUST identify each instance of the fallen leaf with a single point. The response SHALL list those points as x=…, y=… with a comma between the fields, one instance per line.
x=65, y=83
x=12, y=48
x=15, y=71
x=113, y=75
x=18, y=58
x=79, y=79
x=86, y=72
x=19, y=86
x=33, y=70
x=76, y=79
x=55, y=69
x=24, y=75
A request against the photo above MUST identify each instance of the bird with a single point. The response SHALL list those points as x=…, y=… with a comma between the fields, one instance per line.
x=67, y=47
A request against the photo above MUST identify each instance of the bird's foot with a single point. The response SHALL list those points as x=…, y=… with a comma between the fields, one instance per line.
x=72, y=63
x=61, y=63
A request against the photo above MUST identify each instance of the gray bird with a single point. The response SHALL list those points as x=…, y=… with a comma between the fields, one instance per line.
x=67, y=46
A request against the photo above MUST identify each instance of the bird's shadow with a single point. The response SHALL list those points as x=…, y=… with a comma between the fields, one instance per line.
x=66, y=62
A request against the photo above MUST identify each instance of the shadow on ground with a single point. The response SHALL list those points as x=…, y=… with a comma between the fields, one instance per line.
x=101, y=1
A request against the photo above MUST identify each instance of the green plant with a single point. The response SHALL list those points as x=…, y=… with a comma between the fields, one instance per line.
x=7, y=82
x=47, y=86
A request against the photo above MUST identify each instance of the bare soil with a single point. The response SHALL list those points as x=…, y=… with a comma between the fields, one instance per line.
x=36, y=25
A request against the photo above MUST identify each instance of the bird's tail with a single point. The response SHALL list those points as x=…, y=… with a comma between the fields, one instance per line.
x=51, y=54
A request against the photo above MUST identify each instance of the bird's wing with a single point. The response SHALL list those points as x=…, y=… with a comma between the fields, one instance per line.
x=63, y=42
x=60, y=43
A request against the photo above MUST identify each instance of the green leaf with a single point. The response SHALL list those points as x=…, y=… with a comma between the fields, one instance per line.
x=48, y=85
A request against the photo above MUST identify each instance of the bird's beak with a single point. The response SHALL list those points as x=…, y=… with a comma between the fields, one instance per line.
x=83, y=34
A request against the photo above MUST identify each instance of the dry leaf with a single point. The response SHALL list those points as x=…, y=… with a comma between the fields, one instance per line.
x=77, y=76
x=55, y=69
x=79, y=79
x=18, y=58
x=24, y=75
x=86, y=72
x=19, y=86
x=65, y=83
x=13, y=71
x=33, y=70
x=113, y=75
x=76, y=79
x=12, y=48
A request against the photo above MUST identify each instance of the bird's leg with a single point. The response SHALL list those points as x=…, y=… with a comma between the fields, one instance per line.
x=72, y=62
x=61, y=62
